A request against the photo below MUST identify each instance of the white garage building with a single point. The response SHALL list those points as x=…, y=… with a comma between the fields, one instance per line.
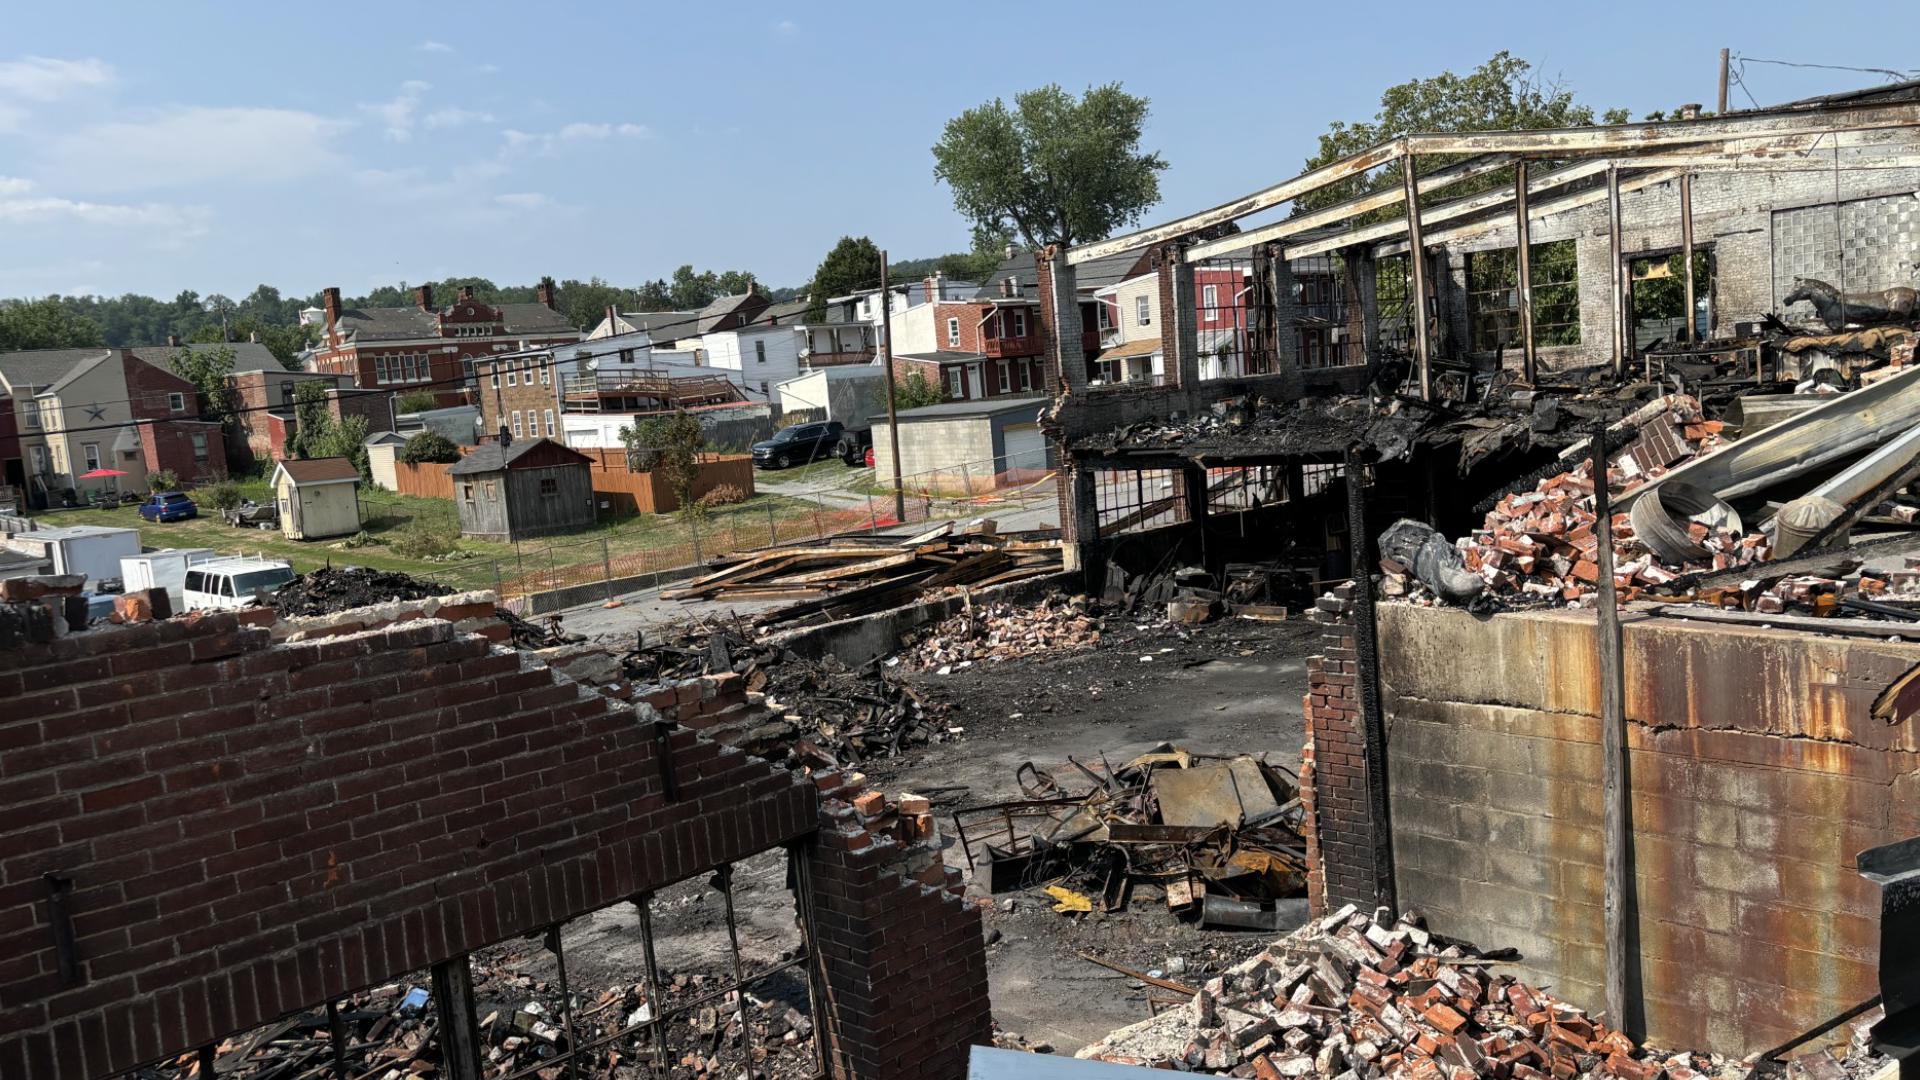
x=966, y=445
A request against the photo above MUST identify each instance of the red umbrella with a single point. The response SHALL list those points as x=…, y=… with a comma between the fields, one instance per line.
x=101, y=474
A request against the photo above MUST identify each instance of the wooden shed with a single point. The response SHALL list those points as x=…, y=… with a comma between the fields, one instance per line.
x=318, y=497
x=532, y=488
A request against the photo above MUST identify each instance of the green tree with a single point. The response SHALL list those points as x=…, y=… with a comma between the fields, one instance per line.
x=284, y=340
x=45, y=324
x=318, y=435
x=655, y=295
x=428, y=445
x=585, y=303
x=852, y=264
x=1503, y=94
x=207, y=370
x=1052, y=169
x=672, y=443
x=414, y=401
x=915, y=391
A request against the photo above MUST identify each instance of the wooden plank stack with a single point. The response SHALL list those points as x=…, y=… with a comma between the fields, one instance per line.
x=847, y=578
x=1360, y=997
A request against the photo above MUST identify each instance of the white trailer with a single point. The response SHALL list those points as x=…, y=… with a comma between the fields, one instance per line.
x=163, y=569
x=94, y=551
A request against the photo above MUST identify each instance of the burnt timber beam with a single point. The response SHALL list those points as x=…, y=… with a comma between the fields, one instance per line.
x=1622, y=330
x=1616, y=139
x=1561, y=205
x=1352, y=208
x=1447, y=211
x=1523, y=270
x=1417, y=283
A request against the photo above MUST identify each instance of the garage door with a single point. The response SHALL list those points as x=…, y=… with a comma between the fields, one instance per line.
x=1026, y=448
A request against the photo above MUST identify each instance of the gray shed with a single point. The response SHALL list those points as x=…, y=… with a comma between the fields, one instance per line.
x=532, y=488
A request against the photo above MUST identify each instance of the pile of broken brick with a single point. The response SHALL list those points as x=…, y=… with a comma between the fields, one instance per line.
x=1355, y=995
x=1002, y=631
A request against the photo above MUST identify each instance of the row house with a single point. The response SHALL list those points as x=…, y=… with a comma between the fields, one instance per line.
x=70, y=412
x=426, y=347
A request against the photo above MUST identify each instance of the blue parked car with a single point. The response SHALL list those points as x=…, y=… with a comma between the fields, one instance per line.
x=169, y=506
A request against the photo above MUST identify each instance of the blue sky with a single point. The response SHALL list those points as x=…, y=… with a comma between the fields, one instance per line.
x=155, y=147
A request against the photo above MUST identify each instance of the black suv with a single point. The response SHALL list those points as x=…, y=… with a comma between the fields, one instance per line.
x=801, y=444
x=853, y=446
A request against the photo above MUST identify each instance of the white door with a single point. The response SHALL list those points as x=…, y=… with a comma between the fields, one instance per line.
x=1025, y=447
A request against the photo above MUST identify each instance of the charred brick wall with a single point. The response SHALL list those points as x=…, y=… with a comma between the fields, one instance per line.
x=1333, y=781
x=246, y=835
x=1756, y=777
x=901, y=947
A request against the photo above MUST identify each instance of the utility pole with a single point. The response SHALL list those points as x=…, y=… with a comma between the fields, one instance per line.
x=1724, y=61
x=893, y=421
x=1613, y=737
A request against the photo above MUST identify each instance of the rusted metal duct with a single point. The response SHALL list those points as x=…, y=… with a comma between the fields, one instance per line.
x=1845, y=425
x=1660, y=521
x=1803, y=518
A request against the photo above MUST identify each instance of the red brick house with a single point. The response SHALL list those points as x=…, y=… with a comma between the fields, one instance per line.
x=425, y=347
x=264, y=399
x=175, y=440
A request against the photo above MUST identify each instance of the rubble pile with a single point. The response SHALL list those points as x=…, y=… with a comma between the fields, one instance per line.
x=1859, y=1061
x=391, y=1033
x=1357, y=995
x=804, y=713
x=327, y=590
x=1002, y=631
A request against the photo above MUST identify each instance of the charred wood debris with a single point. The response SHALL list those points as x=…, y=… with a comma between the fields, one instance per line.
x=391, y=1032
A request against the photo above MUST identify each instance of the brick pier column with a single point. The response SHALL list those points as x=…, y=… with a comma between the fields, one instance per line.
x=1342, y=853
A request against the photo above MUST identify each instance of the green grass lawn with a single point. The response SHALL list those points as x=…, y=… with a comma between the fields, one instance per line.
x=637, y=544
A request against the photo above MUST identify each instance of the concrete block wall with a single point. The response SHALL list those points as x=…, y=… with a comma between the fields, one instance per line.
x=1756, y=778
x=248, y=836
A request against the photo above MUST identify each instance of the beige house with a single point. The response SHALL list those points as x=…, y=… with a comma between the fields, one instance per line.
x=1127, y=315
x=319, y=498
x=77, y=410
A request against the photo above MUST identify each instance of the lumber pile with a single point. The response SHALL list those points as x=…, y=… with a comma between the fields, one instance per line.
x=846, y=578
x=1358, y=995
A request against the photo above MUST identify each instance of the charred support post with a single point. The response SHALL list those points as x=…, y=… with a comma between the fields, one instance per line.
x=1080, y=521
x=1193, y=487
x=1613, y=737
x=337, y=1041
x=1060, y=323
x=893, y=421
x=1366, y=649
x=1181, y=332
x=1686, y=250
x=459, y=1030
x=1618, y=264
x=555, y=946
x=1896, y=869
x=1286, y=338
x=1417, y=286
x=1523, y=265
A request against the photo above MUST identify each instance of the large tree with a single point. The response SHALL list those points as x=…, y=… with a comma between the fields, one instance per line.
x=1503, y=94
x=207, y=370
x=1053, y=168
x=45, y=324
x=854, y=263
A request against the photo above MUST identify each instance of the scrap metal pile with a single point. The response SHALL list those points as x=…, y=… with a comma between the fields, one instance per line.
x=1001, y=631
x=1358, y=995
x=1216, y=839
x=391, y=1032
x=797, y=711
x=850, y=577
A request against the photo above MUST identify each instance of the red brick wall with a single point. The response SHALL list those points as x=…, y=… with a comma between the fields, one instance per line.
x=171, y=446
x=246, y=837
x=377, y=409
x=1333, y=785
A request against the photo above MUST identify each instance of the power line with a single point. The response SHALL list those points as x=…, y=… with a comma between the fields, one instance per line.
x=1897, y=76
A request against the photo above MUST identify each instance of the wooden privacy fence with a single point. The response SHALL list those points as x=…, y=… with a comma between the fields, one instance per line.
x=428, y=479
x=622, y=492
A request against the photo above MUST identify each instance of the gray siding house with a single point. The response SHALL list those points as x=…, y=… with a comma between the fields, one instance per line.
x=532, y=488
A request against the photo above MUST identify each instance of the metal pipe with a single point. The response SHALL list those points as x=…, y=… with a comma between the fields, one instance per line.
x=1523, y=262
x=1686, y=249
x=725, y=877
x=816, y=974
x=643, y=905
x=1417, y=267
x=566, y=1000
x=1613, y=722
x=1619, y=273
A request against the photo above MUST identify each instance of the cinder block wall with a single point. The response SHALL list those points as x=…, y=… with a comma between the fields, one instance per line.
x=255, y=826
x=1756, y=777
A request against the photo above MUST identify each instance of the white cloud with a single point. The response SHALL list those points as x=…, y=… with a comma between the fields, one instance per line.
x=176, y=221
x=41, y=78
x=397, y=115
x=523, y=200
x=488, y=69
x=545, y=142
x=15, y=185
x=786, y=27
x=197, y=145
x=434, y=46
x=453, y=118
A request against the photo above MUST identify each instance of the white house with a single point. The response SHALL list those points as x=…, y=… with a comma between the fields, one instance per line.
x=757, y=357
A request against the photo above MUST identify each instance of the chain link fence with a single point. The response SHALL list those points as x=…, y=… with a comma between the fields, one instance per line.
x=622, y=560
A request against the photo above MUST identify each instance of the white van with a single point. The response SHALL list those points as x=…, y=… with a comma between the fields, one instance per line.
x=233, y=583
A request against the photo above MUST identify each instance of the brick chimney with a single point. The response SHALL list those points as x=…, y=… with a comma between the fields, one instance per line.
x=932, y=286
x=423, y=297
x=545, y=292
x=173, y=341
x=753, y=288
x=254, y=336
x=466, y=292
x=330, y=302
